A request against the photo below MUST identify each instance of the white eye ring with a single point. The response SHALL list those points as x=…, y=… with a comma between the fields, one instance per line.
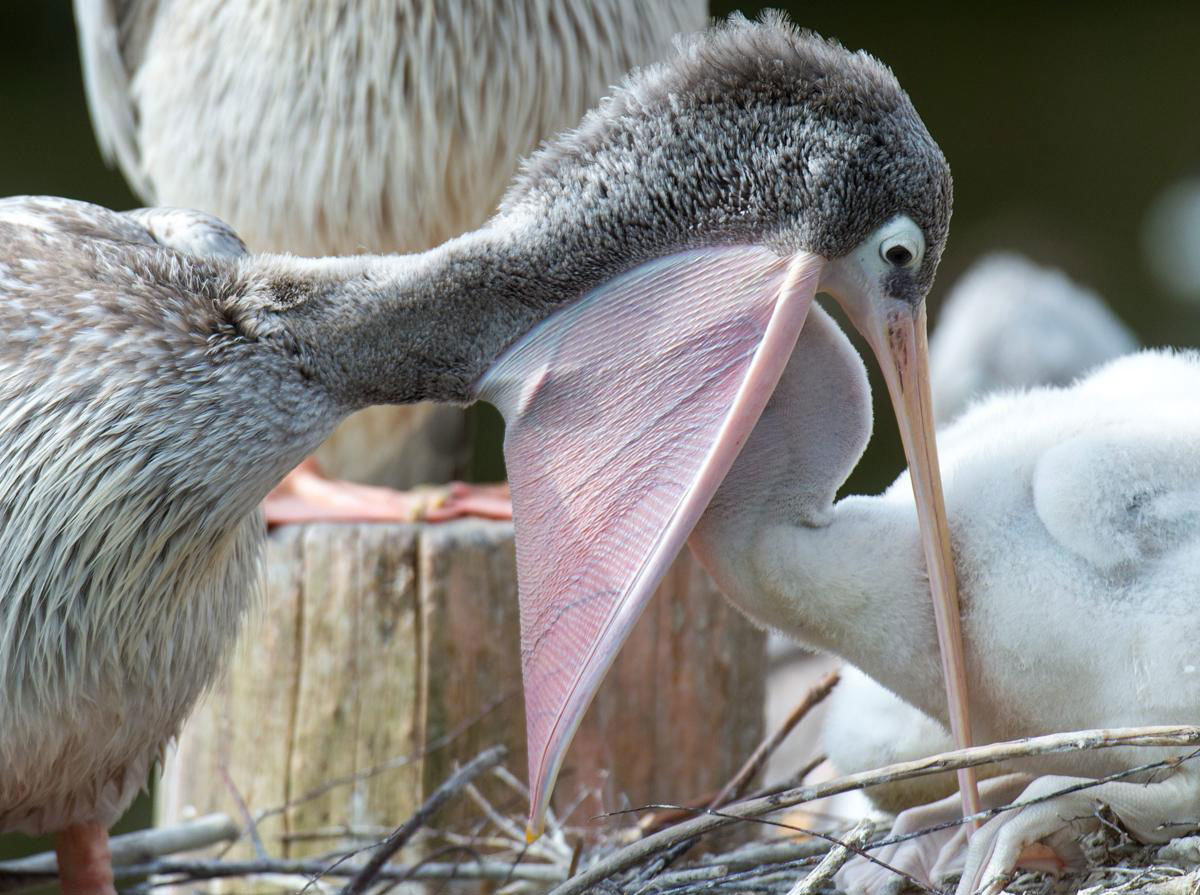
x=900, y=250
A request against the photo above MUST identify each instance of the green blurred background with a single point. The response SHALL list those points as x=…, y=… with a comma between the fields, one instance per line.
x=1062, y=124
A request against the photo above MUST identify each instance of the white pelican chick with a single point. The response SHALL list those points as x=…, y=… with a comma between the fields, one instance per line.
x=1011, y=323
x=1075, y=516
x=1006, y=324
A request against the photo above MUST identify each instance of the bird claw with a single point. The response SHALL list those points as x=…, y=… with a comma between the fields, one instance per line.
x=1055, y=810
x=926, y=858
x=930, y=858
x=1041, y=836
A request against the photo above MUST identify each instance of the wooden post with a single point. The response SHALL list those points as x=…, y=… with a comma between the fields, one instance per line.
x=387, y=642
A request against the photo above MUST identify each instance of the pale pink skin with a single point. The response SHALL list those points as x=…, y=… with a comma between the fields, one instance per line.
x=84, y=860
x=625, y=411
x=305, y=495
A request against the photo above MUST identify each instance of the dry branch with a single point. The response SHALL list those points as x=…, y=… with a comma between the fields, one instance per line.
x=468, y=869
x=762, y=867
x=834, y=859
x=780, y=872
x=485, y=761
x=140, y=855
x=260, y=850
x=142, y=846
x=1173, y=735
x=131, y=848
x=736, y=787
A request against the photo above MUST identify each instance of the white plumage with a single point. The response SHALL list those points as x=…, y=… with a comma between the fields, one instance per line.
x=1075, y=514
x=1006, y=324
x=1170, y=232
x=332, y=128
x=1010, y=323
x=867, y=726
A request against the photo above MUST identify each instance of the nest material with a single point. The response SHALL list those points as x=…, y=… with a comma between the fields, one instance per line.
x=493, y=856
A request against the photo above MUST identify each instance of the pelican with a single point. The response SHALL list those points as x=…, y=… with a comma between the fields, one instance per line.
x=374, y=126
x=1169, y=233
x=1076, y=521
x=1006, y=324
x=1010, y=323
x=629, y=308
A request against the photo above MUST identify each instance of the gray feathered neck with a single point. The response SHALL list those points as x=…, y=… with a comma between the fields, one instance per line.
x=754, y=134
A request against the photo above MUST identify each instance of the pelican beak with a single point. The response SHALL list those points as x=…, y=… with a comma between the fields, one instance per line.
x=624, y=411
x=896, y=331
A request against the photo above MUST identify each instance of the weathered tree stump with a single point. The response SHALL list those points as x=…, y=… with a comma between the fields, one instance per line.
x=385, y=653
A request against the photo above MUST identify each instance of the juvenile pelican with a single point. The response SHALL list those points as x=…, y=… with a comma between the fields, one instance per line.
x=630, y=309
x=1076, y=521
x=335, y=128
x=1006, y=324
x=1010, y=323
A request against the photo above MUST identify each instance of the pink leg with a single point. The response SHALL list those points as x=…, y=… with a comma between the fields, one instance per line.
x=84, y=861
x=305, y=495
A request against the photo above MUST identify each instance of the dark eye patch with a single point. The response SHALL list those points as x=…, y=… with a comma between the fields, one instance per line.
x=898, y=255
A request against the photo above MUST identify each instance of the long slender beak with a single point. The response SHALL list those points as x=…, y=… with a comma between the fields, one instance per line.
x=896, y=332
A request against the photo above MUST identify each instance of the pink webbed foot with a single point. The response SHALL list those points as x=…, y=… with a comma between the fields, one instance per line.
x=460, y=499
x=84, y=860
x=305, y=495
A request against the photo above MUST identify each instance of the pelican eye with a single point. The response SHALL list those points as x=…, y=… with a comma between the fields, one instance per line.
x=899, y=250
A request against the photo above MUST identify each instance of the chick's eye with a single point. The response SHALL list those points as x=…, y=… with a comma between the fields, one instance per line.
x=898, y=255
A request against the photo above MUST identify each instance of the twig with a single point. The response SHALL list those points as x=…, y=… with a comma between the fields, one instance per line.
x=784, y=864
x=654, y=821
x=691, y=875
x=260, y=850
x=737, y=785
x=861, y=852
x=834, y=860
x=498, y=820
x=483, y=762
x=988, y=813
x=127, y=850
x=553, y=841
x=139, y=847
x=370, y=834
x=797, y=779
x=757, y=854
x=185, y=871
x=1175, y=735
